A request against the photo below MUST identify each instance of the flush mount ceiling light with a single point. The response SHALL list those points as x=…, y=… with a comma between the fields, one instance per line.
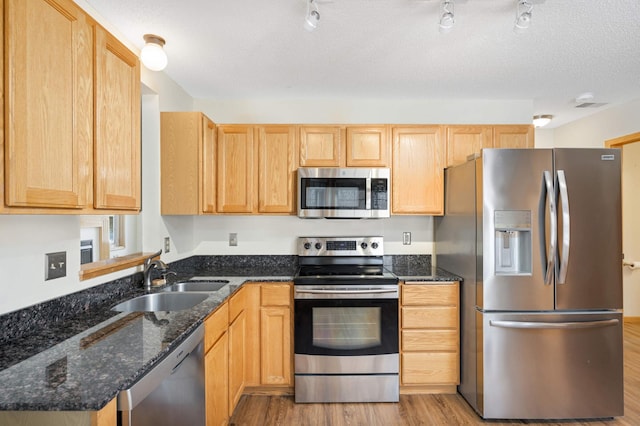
x=446, y=18
x=313, y=16
x=542, y=120
x=523, y=16
x=153, y=55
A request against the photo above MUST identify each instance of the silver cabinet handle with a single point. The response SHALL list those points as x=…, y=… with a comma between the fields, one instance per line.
x=566, y=226
x=553, y=325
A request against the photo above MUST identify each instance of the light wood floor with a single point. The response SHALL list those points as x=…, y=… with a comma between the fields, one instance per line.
x=422, y=409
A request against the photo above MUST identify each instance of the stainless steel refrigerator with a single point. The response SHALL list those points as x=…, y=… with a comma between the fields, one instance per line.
x=536, y=234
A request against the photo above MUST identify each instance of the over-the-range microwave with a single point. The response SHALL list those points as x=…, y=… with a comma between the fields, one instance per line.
x=347, y=193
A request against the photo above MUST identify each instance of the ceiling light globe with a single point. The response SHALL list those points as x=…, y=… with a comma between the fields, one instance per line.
x=446, y=22
x=542, y=120
x=153, y=55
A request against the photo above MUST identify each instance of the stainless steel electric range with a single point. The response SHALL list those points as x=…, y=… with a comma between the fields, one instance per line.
x=345, y=322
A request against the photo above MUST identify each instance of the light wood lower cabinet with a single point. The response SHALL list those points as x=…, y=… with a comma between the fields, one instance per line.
x=237, y=347
x=216, y=366
x=275, y=335
x=429, y=337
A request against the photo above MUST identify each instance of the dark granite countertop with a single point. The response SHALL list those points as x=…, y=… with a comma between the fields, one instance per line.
x=423, y=274
x=81, y=363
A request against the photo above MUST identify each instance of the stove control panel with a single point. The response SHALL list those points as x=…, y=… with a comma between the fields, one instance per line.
x=340, y=246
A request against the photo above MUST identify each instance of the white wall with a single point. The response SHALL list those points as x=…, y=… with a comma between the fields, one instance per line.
x=631, y=226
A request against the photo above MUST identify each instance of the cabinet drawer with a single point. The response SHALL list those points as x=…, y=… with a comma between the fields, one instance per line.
x=215, y=326
x=429, y=368
x=237, y=304
x=430, y=294
x=275, y=294
x=430, y=317
x=430, y=340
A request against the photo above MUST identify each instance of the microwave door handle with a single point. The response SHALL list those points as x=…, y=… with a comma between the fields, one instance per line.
x=566, y=226
x=367, y=193
x=547, y=196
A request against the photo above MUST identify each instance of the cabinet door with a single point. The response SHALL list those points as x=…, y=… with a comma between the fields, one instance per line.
x=208, y=169
x=277, y=150
x=49, y=104
x=216, y=367
x=463, y=141
x=180, y=138
x=418, y=170
x=321, y=146
x=117, y=140
x=367, y=146
x=235, y=169
x=237, y=355
x=275, y=341
x=513, y=136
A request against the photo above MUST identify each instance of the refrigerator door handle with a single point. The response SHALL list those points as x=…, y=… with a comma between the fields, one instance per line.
x=566, y=226
x=547, y=195
x=534, y=325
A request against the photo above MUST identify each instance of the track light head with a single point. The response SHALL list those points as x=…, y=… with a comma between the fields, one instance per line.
x=313, y=16
x=524, y=10
x=447, y=19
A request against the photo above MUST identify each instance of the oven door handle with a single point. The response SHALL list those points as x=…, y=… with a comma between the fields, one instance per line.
x=377, y=291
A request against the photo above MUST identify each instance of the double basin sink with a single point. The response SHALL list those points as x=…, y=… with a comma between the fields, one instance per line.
x=176, y=297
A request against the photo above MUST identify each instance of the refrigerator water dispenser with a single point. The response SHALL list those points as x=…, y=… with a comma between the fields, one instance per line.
x=512, y=242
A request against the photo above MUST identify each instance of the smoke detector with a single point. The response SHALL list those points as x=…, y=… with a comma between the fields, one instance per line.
x=585, y=100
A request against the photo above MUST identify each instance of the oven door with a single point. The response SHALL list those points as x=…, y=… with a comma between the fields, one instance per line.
x=346, y=326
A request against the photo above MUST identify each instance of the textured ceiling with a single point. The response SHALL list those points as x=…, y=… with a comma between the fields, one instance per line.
x=392, y=49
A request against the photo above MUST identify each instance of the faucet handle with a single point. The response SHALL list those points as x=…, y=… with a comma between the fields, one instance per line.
x=148, y=260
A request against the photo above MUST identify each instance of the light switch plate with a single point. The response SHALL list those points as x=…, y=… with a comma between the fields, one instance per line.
x=55, y=265
x=233, y=239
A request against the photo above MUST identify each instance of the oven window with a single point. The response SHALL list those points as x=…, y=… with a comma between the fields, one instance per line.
x=346, y=328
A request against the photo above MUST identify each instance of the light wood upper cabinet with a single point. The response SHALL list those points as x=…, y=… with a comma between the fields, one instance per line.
x=418, y=170
x=188, y=163
x=117, y=171
x=513, y=136
x=48, y=104
x=277, y=152
x=236, y=165
x=368, y=146
x=463, y=141
x=321, y=146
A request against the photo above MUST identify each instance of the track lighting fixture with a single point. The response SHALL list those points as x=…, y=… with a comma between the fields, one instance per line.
x=523, y=16
x=446, y=18
x=313, y=16
x=152, y=54
x=542, y=120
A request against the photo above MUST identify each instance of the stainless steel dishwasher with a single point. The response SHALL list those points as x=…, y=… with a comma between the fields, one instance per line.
x=172, y=393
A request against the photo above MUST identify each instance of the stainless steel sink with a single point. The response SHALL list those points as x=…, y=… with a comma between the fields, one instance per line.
x=161, y=302
x=197, y=286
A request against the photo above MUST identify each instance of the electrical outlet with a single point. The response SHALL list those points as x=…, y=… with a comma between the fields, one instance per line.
x=406, y=238
x=167, y=244
x=55, y=265
x=233, y=239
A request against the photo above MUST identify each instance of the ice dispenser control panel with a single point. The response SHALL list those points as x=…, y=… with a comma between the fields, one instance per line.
x=512, y=242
